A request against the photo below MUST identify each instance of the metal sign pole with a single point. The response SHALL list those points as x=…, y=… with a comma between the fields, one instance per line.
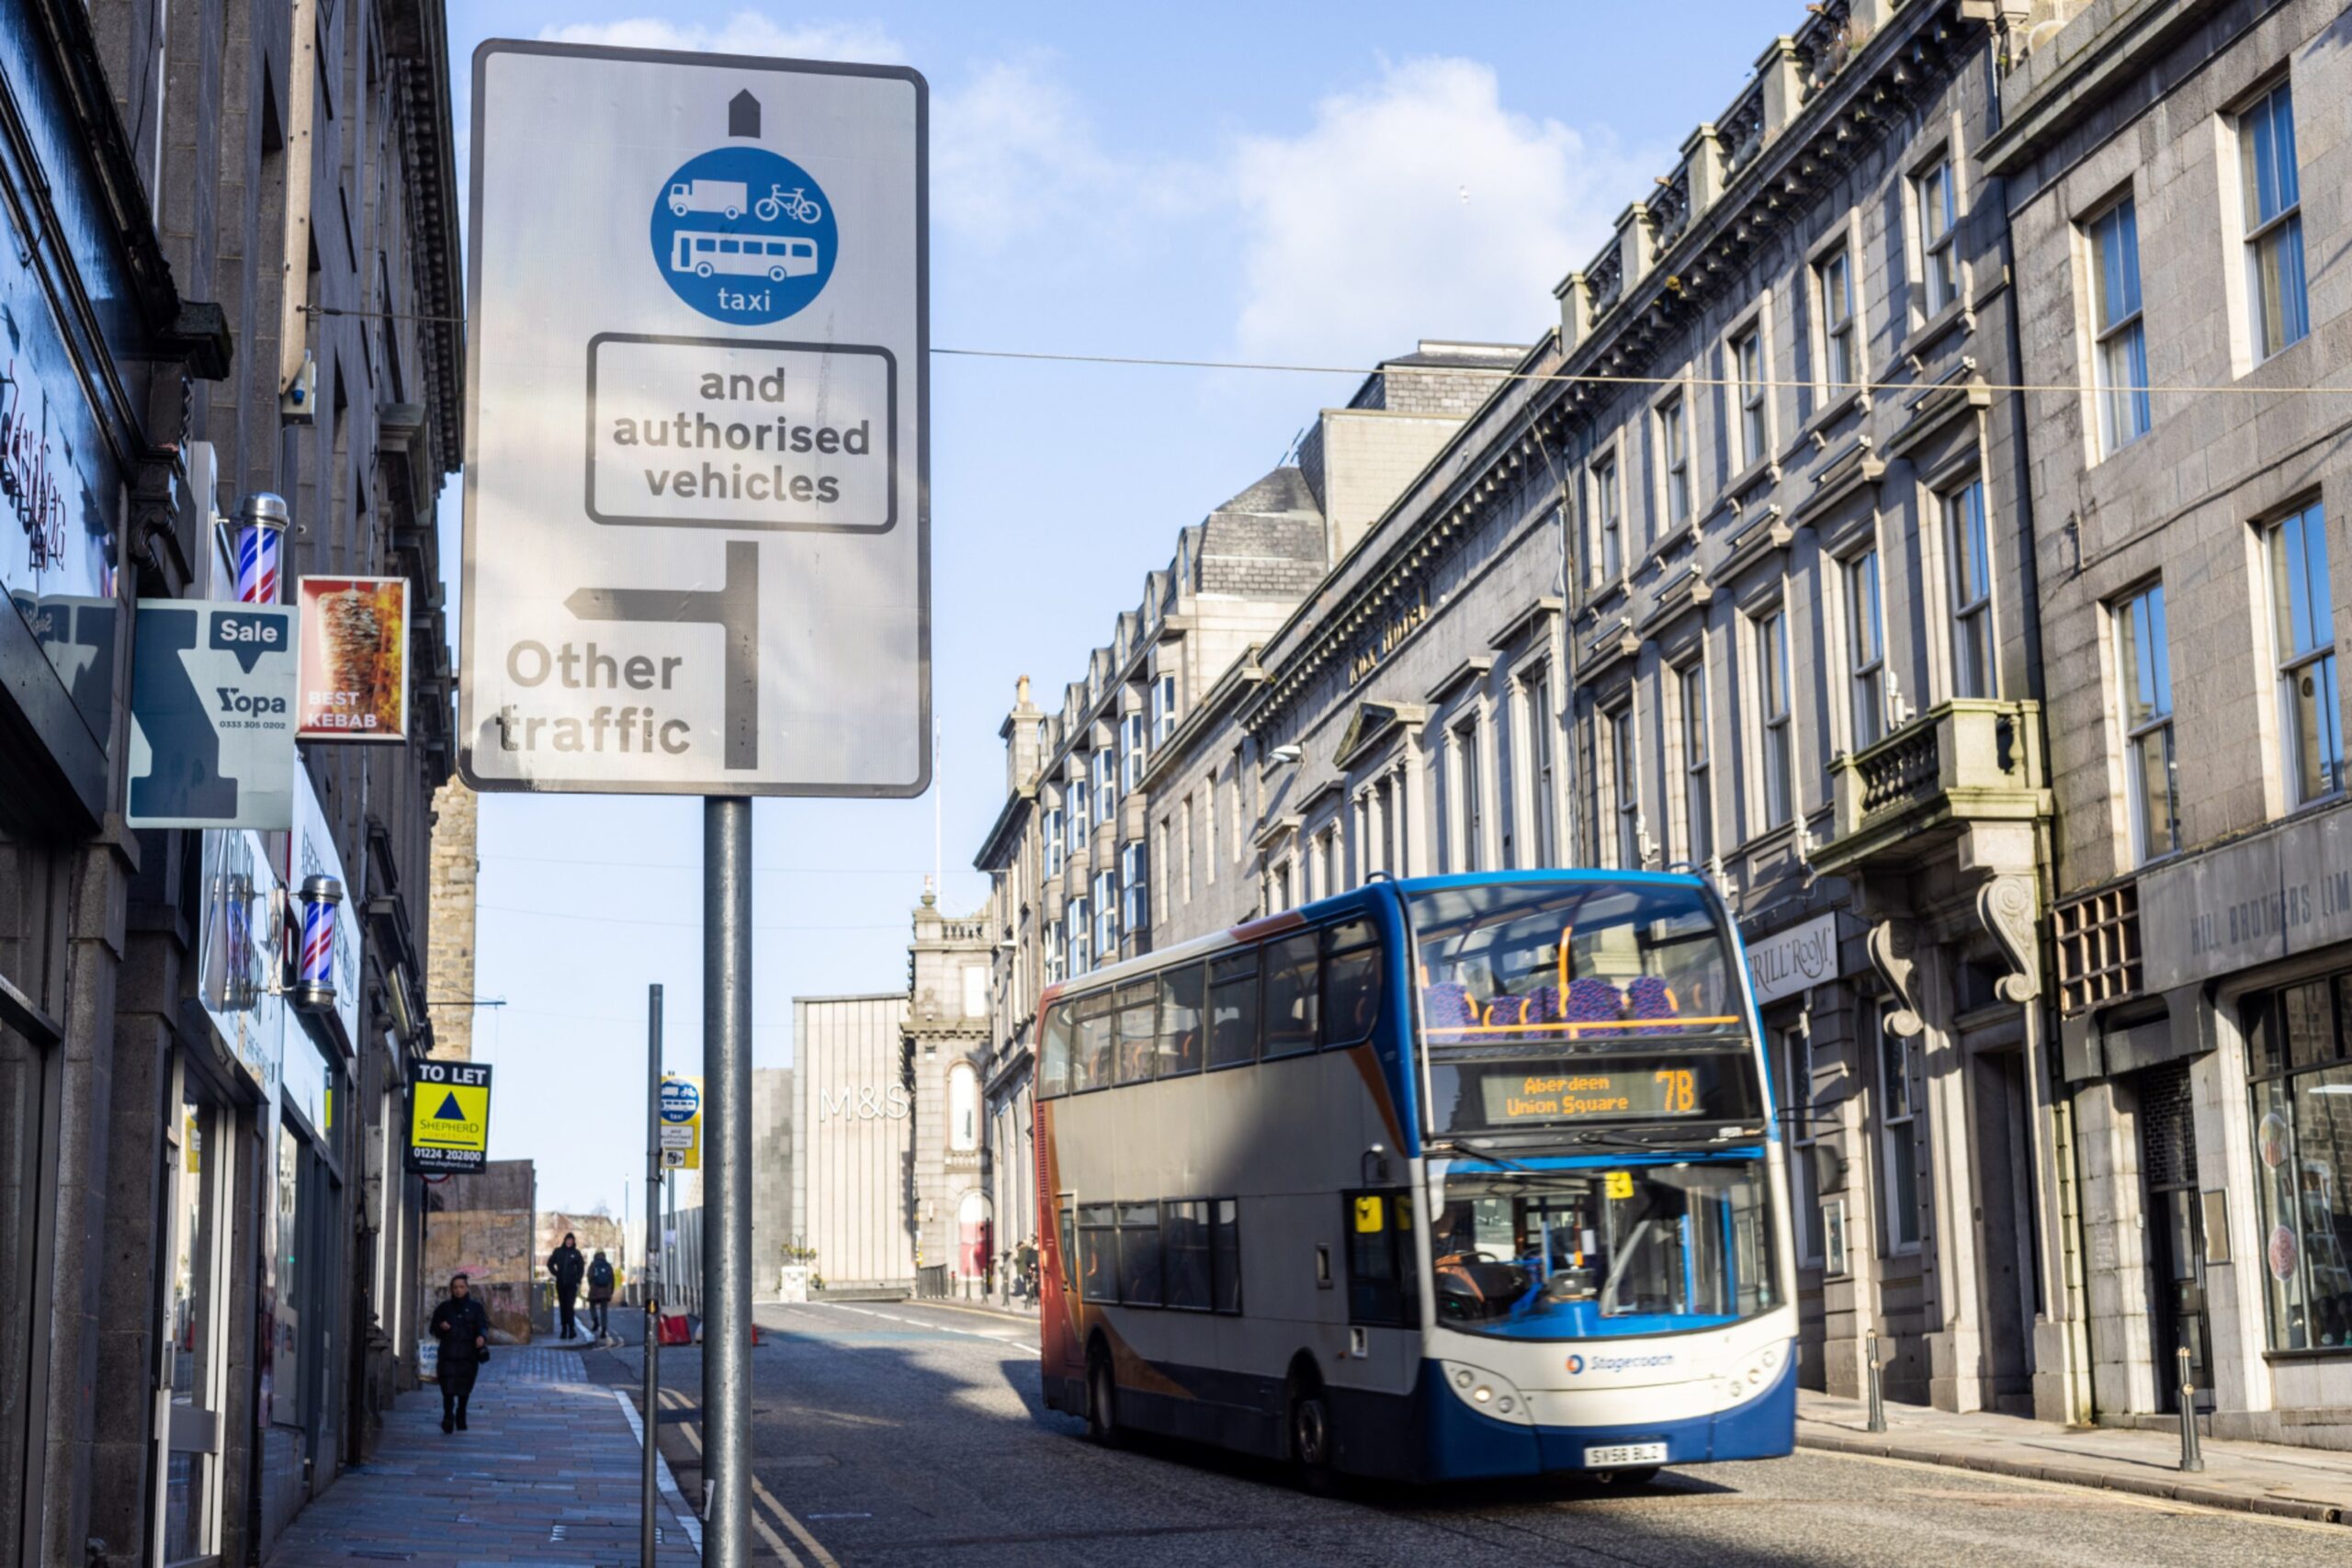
x=652, y=1278
x=727, y=1187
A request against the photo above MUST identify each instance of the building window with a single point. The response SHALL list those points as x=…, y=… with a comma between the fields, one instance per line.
x=1833, y=278
x=1698, y=787
x=1542, y=844
x=1804, y=1197
x=1938, y=251
x=2274, y=223
x=1469, y=824
x=1866, y=649
x=2119, y=363
x=1106, y=785
x=1134, y=884
x=1674, y=459
x=1607, y=523
x=1748, y=387
x=1777, y=761
x=1055, y=847
x=1163, y=707
x=1389, y=800
x=1106, y=917
x=2300, y=1062
x=1057, y=955
x=975, y=990
x=1899, y=1134
x=2302, y=619
x=1074, y=917
x=963, y=1108
x=1184, y=845
x=1972, y=592
x=1625, y=786
x=1076, y=814
x=1131, y=751
x=2143, y=672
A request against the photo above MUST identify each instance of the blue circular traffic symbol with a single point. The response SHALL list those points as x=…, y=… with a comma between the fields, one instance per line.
x=680, y=1102
x=744, y=235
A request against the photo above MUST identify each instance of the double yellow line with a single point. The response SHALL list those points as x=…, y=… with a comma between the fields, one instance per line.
x=692, y=1430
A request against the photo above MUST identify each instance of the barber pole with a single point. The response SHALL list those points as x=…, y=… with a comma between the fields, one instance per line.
x=260, y=542
x=315, y=984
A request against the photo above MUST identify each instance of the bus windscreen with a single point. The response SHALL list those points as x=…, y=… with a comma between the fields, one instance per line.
x=1600, y=965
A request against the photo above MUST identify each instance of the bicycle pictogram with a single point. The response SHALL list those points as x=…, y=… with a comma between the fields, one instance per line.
x=795, y=204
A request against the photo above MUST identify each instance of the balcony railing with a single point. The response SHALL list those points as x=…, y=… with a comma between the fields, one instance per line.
x=1961, y=763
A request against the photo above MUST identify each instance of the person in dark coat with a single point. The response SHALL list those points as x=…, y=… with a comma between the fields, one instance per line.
x=463, y=1329
x=566, y=1264
x=600, y=1294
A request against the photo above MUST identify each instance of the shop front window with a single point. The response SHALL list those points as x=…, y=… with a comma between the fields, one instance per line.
x=2299, y=1042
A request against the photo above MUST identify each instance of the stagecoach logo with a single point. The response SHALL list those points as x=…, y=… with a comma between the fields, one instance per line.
x=743, y=236
x=1617, y=1364
x=1576, y=1364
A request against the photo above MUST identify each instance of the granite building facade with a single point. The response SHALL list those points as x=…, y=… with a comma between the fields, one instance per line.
x=208, y=1247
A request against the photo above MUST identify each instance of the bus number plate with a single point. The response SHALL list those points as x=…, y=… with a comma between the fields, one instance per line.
x=1623, y=1454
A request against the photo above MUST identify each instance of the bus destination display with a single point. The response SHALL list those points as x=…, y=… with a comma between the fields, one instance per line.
x=1489, y=1095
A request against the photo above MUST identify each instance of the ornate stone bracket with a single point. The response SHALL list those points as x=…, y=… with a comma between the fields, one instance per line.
x=2006, y=907
x=1893, y=946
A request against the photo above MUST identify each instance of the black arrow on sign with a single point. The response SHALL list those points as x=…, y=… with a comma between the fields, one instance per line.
x=734, y=608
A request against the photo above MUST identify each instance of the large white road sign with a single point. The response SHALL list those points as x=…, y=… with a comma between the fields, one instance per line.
x=697, y=553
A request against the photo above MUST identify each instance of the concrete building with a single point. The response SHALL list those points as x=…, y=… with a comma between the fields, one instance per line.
x=852, y=1160
x=486, y=1225
x=2177, y=179
x=945, y=1050
x=208, y=1247
x=772, y=1230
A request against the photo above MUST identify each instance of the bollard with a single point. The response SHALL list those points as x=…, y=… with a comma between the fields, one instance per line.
x=2190, y=1459
x=1878, y=1394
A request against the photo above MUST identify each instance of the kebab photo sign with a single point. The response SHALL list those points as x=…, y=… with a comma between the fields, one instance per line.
x=354, y=669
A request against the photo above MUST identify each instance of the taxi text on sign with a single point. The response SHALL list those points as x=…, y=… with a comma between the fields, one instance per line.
x=681, y=1123
x=696, y=506
x=449, y=1124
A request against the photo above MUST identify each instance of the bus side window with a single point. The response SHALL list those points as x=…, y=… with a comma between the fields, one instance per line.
x=1180, y=1021
x=1292, y=990
x=1137, y=1006
x=1068, y=1205
x=1089, y=1065
x=706, y=245
x=1233, y=1009
x=1350, y=983
x=1185, y=1244
x=1055, y=1077
x=1097, y=1253
x=1225, y=1256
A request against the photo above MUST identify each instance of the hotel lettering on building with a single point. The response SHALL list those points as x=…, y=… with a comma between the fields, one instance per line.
x=1758, y=561
x=208, y=1244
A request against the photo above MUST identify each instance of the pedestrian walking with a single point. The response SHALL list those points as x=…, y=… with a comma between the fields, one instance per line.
x=463, y=1330
x=600, y=1293
x=567, y=1267
x=1024, y=1267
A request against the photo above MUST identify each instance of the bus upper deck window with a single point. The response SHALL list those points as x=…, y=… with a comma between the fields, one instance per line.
x=1180, y=1021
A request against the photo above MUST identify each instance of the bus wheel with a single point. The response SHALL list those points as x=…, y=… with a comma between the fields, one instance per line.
x=703, y=269
x=1103, y=1403
x=1310, y=1440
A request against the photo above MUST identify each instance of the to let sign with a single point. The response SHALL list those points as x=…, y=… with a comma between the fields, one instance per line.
x=449, y=1122
x=697, y=514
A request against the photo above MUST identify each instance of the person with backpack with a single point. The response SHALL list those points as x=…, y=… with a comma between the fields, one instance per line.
x=600, y=1294
x=567, y=1265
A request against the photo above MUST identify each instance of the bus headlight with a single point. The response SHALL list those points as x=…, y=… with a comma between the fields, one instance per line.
x=1486, y=1394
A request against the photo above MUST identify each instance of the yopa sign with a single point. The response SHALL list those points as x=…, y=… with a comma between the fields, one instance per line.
x=449, y=1117
x=680, y=1126
x=213, y=696
x=697, y=513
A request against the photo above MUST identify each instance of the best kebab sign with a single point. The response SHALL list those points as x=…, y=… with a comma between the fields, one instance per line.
x=696, y=529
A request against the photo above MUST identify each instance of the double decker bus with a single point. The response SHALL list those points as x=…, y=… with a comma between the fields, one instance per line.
x=1449, y=1177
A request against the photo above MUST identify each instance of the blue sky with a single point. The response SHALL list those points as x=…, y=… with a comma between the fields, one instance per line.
x=1300, y=183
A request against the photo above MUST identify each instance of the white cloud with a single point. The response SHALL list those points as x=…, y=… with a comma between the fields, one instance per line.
x=745, y=32
x=1418, y=207
x=1007, y=144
